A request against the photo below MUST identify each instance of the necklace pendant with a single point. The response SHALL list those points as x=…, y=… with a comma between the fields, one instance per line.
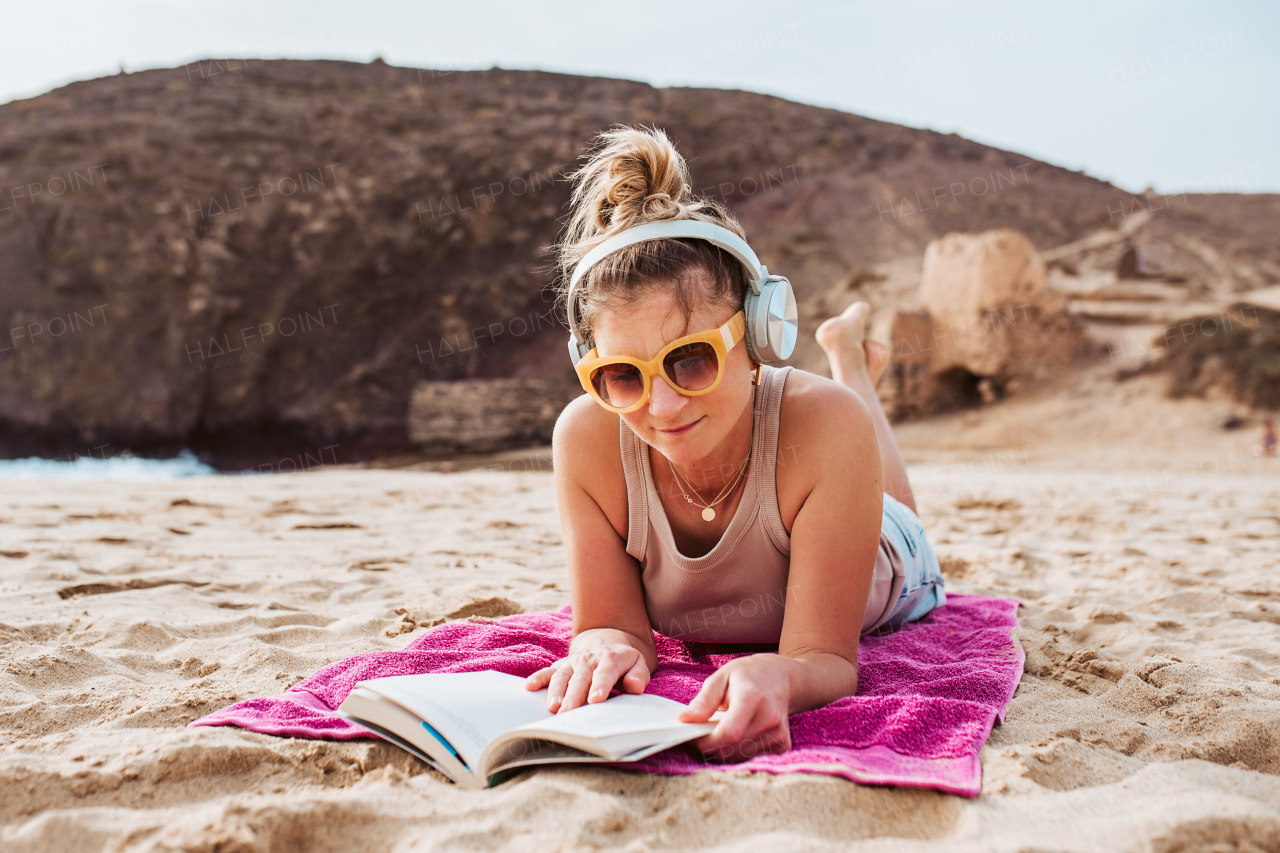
x=708, y=514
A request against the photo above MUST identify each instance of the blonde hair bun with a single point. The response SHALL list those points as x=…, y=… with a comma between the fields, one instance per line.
x=632, y=176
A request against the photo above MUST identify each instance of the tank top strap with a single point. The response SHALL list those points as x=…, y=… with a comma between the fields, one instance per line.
x=768, y=417
x=763, y=494
x=633, y=468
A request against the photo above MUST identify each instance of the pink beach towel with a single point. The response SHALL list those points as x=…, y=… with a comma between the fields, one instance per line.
x=928, y=693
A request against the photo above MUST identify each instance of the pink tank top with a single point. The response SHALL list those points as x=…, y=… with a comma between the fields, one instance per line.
x=736, y=592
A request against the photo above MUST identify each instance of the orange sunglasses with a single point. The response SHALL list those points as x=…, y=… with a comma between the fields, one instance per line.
x=692, y=366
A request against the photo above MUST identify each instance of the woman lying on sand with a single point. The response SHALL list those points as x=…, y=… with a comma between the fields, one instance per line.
x=706, y=496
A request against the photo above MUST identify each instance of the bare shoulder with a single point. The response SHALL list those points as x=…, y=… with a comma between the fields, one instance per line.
x=582, y=428
x=824, y=430
x=816, y=408
x=587, y=453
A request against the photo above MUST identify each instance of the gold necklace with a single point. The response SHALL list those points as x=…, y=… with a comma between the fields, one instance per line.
x=709, y=514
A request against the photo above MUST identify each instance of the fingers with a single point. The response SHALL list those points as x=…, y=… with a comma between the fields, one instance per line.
x=611, y=667
x=752, y=726
x=709, y=699
x=563, y=671
x=735, y=726
x=589, y=677
x=773, y=738
x=539, y=679
x=637, y=678
x=575, y=693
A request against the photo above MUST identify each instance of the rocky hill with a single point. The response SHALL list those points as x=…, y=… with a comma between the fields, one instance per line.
x=259, y=259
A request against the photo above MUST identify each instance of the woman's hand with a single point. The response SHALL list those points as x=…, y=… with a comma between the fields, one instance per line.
x=588, y=673
x=755, y=692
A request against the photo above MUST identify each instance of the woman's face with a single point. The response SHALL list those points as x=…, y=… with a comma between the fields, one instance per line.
x=684, y=429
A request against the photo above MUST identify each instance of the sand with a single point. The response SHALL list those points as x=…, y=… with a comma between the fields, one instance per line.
x=1148, y=717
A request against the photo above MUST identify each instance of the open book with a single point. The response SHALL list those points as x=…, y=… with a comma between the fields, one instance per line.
x=473, y=725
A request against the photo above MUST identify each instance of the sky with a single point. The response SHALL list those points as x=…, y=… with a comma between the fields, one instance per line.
x=1175, y=95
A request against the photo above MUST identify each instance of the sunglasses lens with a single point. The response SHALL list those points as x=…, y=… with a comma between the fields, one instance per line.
x=693, y=367
x=619, y=385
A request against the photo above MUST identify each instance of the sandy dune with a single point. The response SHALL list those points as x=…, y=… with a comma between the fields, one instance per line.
x=1148, y=718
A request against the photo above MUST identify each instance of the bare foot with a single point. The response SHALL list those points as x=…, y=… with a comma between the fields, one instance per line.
x=877, y=359
x=844, y=339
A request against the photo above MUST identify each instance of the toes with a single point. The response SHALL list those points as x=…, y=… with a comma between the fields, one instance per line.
x=828, y=333
x=856, y=315
x=877, y=359
x=847, y=330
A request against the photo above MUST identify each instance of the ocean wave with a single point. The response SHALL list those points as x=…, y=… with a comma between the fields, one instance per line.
x=125, y=468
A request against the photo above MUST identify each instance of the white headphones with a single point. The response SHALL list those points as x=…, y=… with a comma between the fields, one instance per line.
x=769, y=306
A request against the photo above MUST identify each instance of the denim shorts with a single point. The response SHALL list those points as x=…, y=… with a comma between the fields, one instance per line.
x=907, y=582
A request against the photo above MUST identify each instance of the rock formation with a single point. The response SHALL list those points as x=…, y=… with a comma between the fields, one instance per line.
x=1236, y=351
x=484, y=415
x=988, y=325
x=257, y=259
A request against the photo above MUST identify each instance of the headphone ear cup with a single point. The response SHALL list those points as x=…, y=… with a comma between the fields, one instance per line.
x=772, y=321
x=575, y=350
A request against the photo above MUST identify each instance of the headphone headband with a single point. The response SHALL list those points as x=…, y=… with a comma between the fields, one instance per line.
x=712, y=233
x=769, y=304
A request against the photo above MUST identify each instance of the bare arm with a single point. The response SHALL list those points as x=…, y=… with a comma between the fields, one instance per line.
x=612, y=637
x=833, y=548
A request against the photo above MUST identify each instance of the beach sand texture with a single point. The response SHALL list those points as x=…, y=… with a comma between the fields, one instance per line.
x=1148, y=717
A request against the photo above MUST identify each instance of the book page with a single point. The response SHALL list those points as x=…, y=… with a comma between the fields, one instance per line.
x=403, y=744
x=625, y=714
x=526, y=751
x=469, y=709
x=388, y=719
x=533, y=751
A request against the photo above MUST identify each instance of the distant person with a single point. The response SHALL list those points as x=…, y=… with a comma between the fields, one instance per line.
x=1269, y=438
x=703, y=494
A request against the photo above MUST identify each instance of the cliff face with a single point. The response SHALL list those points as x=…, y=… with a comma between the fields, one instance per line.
x=255, y=259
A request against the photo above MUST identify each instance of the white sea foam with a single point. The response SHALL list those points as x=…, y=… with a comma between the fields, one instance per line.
x=130, y=469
